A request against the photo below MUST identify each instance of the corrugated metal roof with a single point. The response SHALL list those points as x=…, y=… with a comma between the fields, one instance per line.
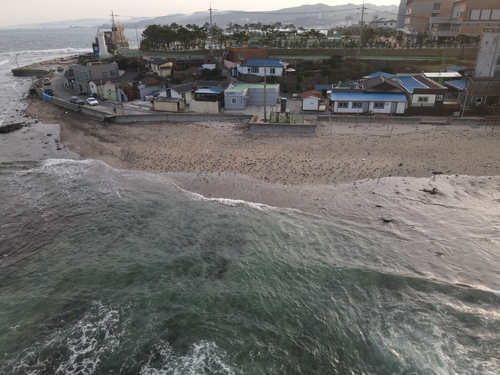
x=383, y=74
x=263, y=62
x=443, y=75
x=212, y=90
x=409, y=83
x=458, y=84
x=367, y=96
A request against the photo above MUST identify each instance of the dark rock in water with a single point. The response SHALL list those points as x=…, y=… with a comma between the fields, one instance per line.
x=11, y=127
x=387, y=220
x=437, y=172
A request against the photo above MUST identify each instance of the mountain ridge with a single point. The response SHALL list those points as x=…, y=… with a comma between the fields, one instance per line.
x=317, y=15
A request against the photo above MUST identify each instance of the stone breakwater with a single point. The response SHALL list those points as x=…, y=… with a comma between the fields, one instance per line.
x=30, y=72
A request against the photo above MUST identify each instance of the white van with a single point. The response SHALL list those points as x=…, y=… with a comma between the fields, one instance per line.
x=46, y=81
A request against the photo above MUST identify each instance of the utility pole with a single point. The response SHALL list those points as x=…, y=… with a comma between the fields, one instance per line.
x=211, y=31
x=138, y=45
x=361, y=30
x=265, y=94
x=444, y=54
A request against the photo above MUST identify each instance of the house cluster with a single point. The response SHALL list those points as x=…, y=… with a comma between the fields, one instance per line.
x=425, y=94
x=441, y=93
x=104, y=80
x=445, y=93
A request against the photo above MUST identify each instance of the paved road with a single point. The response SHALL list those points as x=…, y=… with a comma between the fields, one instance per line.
x=64, y=93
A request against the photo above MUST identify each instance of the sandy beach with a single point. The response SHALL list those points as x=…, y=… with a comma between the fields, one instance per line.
x=222, y=159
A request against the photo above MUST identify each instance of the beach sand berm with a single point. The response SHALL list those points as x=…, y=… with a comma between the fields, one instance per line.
x=222, y=159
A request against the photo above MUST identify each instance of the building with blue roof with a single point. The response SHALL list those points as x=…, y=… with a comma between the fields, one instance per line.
x=421, y=91
x=350, y=101
x=383, y=74
x=457, y=84
x=377, y=95
x=263, y=67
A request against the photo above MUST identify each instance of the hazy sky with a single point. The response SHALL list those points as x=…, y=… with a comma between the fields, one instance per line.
x=38, y=11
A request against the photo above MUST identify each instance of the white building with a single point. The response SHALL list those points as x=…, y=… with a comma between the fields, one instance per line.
x=263, y=67
x=488, y=56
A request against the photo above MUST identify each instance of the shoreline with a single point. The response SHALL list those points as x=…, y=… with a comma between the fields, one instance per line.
x=221, y=159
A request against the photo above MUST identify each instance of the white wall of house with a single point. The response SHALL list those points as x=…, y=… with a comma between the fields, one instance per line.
x=401, y=107
x=423, y=100
x=163, y=70
x=340, y=107
x=373, y=107
x=261, y=71
x=209, y=66
x=185, y=96
x=380, y=107
x=310, y=104
x=235, y=99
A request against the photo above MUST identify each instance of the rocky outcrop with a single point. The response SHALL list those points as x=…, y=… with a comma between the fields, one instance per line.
x=11, y=127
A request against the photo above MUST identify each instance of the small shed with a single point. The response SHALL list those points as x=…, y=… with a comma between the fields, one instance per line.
x=310, y=100
x=236, y=97
x=163, y=104
x=256, y=93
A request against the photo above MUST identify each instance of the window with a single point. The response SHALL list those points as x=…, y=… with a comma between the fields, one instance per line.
x=437, y=6
x=233, y=101
x=435, y=14
x=423, y=99
x=378, y=105
x=84, y=75
x=343, y=104
x=113, y=73
x=254, y=69
x=242, y=56
x=272, y=70
x=439, y=98
x=104, y=74
x=78, y=76
x=357, y=105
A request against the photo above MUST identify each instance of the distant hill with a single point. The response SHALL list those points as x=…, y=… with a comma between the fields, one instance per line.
x=84, y=22
x=319, y=15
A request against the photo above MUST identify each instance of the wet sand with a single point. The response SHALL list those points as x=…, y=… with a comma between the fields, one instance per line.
x=222, y=159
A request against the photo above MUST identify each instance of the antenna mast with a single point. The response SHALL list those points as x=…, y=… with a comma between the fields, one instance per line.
x=211, y=31
x=361, y=31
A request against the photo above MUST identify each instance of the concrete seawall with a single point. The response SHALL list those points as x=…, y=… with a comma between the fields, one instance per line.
x=254, y=126
x=175, y=117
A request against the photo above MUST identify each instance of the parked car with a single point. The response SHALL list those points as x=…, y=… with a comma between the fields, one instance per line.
x=52, y=69
x=76, y=100
x=46, y=81
x=60, y=69
x=92, y=101
x=48, y=92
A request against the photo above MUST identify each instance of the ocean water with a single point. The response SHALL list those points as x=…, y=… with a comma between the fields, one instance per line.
x=106, y=271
